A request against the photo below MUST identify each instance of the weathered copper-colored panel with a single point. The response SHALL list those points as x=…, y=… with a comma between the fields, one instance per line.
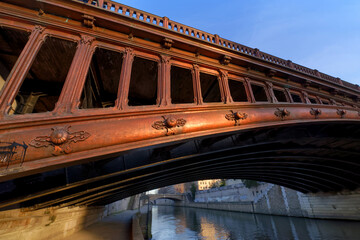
x=210, y=123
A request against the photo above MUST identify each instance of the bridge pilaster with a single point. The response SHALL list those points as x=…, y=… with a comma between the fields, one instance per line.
x=21, y=68
x=70, y=95
x=306, y=97
x=288, y=94
x=196, y=83
x=123, y=92
x=248, y=90
x=164, y=98
x=269, y=87
x=224, y=84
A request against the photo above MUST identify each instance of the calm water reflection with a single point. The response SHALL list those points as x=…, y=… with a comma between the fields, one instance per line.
x=190, y=223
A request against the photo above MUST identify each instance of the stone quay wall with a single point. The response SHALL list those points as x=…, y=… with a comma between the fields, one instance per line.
x=56, y=223
x=277, y=200
x=49, y=223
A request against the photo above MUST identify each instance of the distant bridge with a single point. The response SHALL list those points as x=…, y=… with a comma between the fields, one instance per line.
x=174, y=197
x=101, y=101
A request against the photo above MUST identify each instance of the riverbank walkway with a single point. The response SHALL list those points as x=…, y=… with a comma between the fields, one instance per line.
x=114, y=227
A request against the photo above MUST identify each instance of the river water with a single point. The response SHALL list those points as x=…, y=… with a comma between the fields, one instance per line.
x=173, y=223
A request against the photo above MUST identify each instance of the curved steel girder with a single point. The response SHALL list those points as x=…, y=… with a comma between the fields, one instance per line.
x=116, y=196
x=258, y=161
x=281, y=135
x=312, y=187
x=231, y=166
x=219, y=155
x=142, y=189
x=304, y=189
x=209, y=173
x=78, y=184
x=261, y=159
x=280, y=151
x=244, y=148
x=294, y=186
x=274, y=164
x=197, y=156
x=221, y=152
x=222, y=158
x=222, y=163
x=275, y=174
x=263, y=144
x=135, y=185
x=284, y=170
x=283, y=181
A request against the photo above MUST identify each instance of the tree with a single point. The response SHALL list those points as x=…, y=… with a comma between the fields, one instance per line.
x=250, y=183
x=217, y=184
x=222, y=183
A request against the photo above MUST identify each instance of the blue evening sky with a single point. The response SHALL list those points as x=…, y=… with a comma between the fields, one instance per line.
x=319, y=34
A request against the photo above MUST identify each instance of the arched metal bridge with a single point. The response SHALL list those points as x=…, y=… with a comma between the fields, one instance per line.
x=101, y=101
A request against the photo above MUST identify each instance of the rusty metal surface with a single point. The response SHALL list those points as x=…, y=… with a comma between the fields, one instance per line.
x=69, y=141
x=312, y=157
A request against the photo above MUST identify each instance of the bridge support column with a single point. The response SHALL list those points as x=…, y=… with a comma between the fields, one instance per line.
x=225, y=90
x=288, y=94
x=270, y=90
x=21, y=68
x=70, y=95
x=164, y=90
x=248, y=90
x=306, y=97
x=196, y=83
x=123, y=92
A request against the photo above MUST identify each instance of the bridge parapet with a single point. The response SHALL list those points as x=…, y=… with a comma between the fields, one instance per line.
x=168, y=24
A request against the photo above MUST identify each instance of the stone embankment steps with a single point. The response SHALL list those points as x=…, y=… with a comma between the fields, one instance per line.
x=262, y=195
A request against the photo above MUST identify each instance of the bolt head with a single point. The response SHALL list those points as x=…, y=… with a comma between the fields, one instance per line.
x=171, y=122
x=59, y=136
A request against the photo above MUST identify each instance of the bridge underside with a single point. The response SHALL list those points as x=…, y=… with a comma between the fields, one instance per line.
x=308, y=157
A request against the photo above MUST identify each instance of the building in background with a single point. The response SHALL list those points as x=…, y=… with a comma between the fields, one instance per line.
x=180, y=188
x=206, y=184
x=176, y=189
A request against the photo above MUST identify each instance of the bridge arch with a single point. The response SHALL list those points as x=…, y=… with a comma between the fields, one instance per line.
x=125, y=122
x=308, y=157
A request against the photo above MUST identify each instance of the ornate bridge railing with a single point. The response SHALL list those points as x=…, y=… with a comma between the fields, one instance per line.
x=211, y=38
